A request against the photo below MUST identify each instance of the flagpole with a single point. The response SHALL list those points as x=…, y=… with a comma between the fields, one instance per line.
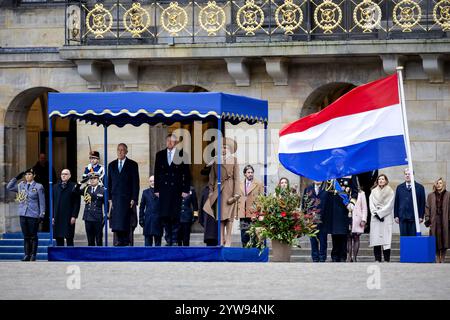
x=408, y=149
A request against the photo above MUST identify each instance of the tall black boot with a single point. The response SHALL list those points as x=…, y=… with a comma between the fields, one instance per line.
x=387, y=255
x=27, y=249
x=34, y=247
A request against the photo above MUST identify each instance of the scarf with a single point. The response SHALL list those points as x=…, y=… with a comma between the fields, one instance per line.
x=439, y=200
x=381, y=197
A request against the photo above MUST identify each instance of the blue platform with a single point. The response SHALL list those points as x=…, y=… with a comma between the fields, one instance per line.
x=167, y=254
x=419, y=249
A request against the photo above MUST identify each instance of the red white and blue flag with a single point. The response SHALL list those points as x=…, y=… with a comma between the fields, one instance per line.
x=361, y=131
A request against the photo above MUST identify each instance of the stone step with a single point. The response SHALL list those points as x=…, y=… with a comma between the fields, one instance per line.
x=19, y=242
x=305, y=258
x=19, y=235
x=19, y=249
x=19, y=256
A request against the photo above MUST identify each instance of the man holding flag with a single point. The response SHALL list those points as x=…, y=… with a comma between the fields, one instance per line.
x=365, y=129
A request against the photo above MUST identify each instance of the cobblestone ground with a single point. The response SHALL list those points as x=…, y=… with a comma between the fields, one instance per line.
x=224, y=281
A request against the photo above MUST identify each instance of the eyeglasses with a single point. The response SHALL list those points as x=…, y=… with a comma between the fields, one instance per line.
x=64, y=174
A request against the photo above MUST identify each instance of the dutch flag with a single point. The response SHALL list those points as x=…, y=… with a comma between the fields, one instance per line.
x=361, y=131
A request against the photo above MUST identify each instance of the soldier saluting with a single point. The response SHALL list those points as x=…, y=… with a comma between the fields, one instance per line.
x=31, y=199
x=343, y=193
x=93, y=196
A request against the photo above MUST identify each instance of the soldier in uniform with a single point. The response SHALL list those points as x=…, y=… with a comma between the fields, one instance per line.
x=94, y=166
x=343, y=193
x=93, y=195
x=31, y=199
x=188, y=215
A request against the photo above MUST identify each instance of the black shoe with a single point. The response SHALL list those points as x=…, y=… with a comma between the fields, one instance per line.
x=33, y=257
x=26, y=258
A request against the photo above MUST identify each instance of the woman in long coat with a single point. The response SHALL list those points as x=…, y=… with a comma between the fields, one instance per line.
x=437, y=214
x=381, y=202
x=359, y=219
x=229, y=192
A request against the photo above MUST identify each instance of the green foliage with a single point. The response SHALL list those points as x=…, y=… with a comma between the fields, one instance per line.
x=279, y=217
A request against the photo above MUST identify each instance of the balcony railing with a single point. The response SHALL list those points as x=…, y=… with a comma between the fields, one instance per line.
x=123, y=22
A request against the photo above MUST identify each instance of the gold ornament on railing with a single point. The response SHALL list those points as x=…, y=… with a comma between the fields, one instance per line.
x=441, y=14
x=212, y=18
x=289, y=16
x=21, y=196
x=330, y=16
x=102, y=21
x=406, y=15
x=136, y=20
x=367, y=15
x=250, y=17
x=174, y=19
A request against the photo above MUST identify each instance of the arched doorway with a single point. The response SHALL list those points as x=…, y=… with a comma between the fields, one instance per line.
x=195, y=129
x=26, y=142
x=318, y=100
x=157, y=141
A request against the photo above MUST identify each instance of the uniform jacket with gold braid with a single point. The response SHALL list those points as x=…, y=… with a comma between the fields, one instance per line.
x=94, y=201
x=337, y=210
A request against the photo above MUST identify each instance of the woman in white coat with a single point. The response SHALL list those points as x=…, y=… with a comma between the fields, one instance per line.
x=381, y=202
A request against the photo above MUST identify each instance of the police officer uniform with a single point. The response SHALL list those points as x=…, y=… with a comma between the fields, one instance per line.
x=340, y=215
x=31, y=199
x=93, y=211
x=189, y=212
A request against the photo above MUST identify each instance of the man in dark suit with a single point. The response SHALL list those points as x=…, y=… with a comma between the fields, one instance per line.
x=123, y=194
x=172, y=183
x=66, y=206
x=403, y=206
x=314, y=202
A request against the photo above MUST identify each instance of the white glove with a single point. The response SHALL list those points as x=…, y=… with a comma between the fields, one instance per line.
x=350, y=207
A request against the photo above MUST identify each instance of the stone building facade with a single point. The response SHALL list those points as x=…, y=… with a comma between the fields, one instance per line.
x=296, y=77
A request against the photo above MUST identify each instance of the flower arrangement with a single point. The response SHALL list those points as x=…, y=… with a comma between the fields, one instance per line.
x=278, y=217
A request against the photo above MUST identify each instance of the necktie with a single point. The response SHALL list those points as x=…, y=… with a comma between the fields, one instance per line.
x=169, y=157
x=120, y=165
x=28, y=186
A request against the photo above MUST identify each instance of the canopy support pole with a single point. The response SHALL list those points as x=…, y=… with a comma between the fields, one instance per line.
x=219, y=179
x=408, y=150
x=105, y=180
x=50, y=177
x=265, y=157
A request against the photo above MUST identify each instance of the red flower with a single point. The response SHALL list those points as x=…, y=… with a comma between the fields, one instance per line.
x=283, y=214
x=298, y=228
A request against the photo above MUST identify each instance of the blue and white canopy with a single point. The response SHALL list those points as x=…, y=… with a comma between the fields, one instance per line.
x=136, y=108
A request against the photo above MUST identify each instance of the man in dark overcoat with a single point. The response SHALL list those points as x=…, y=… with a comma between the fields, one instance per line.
x=66, y=206
x=314, y=202
x=339, y=214
x=403, y=205
x=172, y=183
x=149, y=218
x=123, y=194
